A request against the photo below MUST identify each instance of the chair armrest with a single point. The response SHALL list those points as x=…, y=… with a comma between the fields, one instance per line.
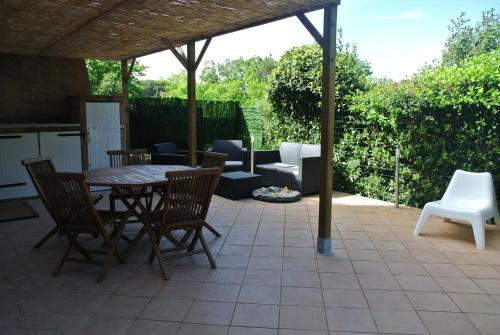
x=168, y=159
x=309, y=169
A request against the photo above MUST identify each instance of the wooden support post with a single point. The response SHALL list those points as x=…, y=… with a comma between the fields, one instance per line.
x=190, y=63
x=324, y=246
x=191, y=102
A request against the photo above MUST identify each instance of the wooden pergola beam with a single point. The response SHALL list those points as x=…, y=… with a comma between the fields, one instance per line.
x=179, y=55
x=202, y=52
x=310, y=27
x=126, y=73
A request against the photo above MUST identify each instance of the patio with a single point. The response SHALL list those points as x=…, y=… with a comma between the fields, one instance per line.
x=269, y=280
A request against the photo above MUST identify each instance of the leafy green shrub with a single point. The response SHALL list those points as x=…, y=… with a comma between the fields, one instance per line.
x=445, y=118
x=294, y=92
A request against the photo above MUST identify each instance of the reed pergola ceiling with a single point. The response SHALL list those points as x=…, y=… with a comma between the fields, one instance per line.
x=121, y=29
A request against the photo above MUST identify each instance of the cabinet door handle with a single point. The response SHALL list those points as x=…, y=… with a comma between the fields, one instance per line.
x=12, y=185
x=69, y=135
x=9, y=137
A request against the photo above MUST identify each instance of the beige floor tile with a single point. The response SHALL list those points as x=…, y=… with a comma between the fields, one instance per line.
x=265, y=263
x=208, y=312
x=300, y=317
x=479, y=271
x=364, y=255
x=475, y=303
x=166, y=309
x=346, y=319
x=123, y=307
x=140, y=327
x=344, y=298
x=490, y=286
x=219, y=292
x=260, y=294
x=106, y=325
x=458, y=285
x=253, y=315
x=370, y=267
x=339, y=280
x=396, y=256
x=236, y=250
x=196, y=329
x=251, y=331
x=230, y=276
x=463, y=258
x=298, y=264
x=432, y=301
x=263, y=277
x=409, y=269
x=443, y=270
x=301, y=296
x=235, y=262
x=301, y=279
x=179, y=290
x=265, y=251
x=293, y=252
x=359, y=244
x=74, y=303
x=400, y=322
x=389, y=245
x=338, y=266
x=141, y=287
x=385, y=299
x=444, y=323
x=430, y=257
x=418, y=283
x=378, y=282
x=487, y=324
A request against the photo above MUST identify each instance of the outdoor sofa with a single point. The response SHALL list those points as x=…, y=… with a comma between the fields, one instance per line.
x=234, y=149
x=294, y=165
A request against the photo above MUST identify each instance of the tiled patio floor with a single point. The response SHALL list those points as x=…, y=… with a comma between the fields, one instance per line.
x=269, y=280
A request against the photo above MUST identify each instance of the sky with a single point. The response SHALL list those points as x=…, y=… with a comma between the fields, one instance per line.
x=397, y=37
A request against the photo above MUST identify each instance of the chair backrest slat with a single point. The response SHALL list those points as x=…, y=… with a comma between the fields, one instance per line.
x=34, y=166
x=188, y=195
x=126, y=157
x=69, y=201
x=214, y=159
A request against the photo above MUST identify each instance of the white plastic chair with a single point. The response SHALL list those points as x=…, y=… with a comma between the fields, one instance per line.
x=470, y=196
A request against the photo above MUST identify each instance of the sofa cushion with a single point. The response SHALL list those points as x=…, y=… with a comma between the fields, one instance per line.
x=290, y=153
x=234, y=163
x=232, y=148
x=165, y=148
x=281, y=167
x=310, y=150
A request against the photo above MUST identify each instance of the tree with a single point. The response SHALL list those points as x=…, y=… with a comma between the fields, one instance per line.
x=466, y=40
x=105, y=78
x=153, y=88
x=294, y=92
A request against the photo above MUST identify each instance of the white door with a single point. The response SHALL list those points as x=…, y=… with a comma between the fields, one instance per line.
x=14, y=180
x=64, y=148
x=104, y=131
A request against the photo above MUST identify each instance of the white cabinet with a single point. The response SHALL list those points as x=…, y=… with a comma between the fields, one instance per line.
x=64, y=148
x=14, y=180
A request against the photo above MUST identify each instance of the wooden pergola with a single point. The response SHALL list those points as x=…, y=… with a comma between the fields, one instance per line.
x=126, y=29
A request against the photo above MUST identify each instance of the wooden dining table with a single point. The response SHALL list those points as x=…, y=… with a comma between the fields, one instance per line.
x=132, y=183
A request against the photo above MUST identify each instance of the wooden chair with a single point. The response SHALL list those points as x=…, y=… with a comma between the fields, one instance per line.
x=127, y=157
x=33, y=167
x=214, y=160
x=184, y=207
x=69, y=201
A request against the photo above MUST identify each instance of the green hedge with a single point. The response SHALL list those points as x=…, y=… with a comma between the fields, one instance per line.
x=156, y=120
x=444, y=118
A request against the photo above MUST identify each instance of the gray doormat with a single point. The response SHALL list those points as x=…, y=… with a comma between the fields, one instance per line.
x=16, y=210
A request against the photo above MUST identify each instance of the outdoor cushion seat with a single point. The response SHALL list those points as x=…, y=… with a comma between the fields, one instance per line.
x=294, y=165
x=234, y=149
x=167, y=154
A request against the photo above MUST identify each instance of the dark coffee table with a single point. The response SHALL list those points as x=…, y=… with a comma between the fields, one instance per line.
x=238, y=185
